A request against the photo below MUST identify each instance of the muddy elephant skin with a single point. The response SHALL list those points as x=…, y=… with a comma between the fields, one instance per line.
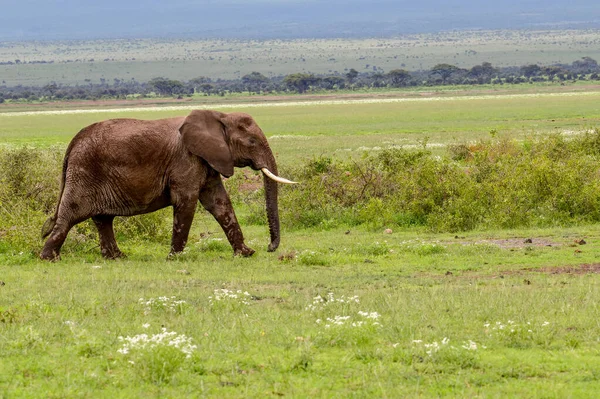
x=125, y=167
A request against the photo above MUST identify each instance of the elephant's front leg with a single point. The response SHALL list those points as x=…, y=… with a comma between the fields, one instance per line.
x=214, y=198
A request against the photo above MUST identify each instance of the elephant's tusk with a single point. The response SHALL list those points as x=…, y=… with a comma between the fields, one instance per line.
x=270, y=175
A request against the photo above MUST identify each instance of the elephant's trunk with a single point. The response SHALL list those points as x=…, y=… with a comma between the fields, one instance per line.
x=271, y=204
x=270, y=180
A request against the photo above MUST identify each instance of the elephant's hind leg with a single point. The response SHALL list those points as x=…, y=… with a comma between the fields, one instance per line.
x=108, y=244
x=58, y=235
x=69, y=214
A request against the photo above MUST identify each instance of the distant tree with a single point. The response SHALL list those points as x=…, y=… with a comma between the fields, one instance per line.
x=482, y=73
x=50, y=89
x=300, y=82
x=530, y=70
x=585, y=65
x=333, y=82
x=377, y=79
x=398, y=77
x=206, y=88
x=166, y=87
x=197, y=83
x=552, y=71
x=351, y=75
x=255, y=82
x=444, y=71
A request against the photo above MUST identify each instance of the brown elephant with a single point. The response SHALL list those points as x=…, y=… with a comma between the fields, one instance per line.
x=125, y=167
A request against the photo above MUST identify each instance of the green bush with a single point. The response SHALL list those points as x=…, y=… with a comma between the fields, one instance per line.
x=29, y=184
x=29, y=188
x=499, y=183
x=496, y=183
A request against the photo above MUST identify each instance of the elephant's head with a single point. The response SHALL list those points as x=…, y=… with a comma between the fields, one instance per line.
x=228, y=140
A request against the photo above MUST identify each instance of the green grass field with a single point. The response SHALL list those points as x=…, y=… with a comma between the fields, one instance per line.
x=300, y=130
x=349, y=311
x=188, y=59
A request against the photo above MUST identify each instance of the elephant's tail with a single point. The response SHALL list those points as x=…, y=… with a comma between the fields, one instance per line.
x=49, y=224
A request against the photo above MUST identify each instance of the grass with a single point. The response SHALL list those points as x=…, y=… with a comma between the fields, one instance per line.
x=474, y=314
x=61, y=322
x=304, y=130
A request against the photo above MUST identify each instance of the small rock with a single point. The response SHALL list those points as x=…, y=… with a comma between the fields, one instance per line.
x=347, y=232
x=448, y=273
x=581, y=242
x=183, y=271
x=388, y=231
x=528, y=241
x=2, y=283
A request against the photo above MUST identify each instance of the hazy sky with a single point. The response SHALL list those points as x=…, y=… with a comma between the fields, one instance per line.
x=80, y=19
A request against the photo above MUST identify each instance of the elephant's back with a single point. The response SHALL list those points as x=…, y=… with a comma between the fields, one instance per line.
x=125, y=138
x=123, y=131
x=122, y=163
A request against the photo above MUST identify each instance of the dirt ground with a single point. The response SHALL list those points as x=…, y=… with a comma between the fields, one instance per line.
x=585, y=268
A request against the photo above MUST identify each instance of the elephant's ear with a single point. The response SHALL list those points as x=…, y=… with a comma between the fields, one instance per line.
x=203, y=134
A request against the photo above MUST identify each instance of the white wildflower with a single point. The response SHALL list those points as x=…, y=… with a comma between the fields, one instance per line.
x=320, y=302
x=223, y=294
x=164, y=338
x=470, y=345
x=171, y=304
x=370, y=315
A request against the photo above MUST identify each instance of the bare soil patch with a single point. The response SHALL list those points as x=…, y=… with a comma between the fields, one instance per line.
x=585, y=268
x=574, y=270
x=509, y=243
x=514, y=243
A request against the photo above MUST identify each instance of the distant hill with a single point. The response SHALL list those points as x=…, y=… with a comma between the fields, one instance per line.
x=266, y=19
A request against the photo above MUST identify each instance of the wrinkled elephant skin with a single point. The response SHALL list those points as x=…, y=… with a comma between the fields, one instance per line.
x=125, y=167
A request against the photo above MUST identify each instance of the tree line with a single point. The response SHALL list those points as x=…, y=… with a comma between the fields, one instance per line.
x=585, y=68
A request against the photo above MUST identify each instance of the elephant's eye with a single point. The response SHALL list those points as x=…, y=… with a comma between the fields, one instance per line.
x=251, y=142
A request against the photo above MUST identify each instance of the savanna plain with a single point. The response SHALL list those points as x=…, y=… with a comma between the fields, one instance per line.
x=438, y=244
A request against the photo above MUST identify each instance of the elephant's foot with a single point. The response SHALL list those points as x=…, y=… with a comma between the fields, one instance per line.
x=106, y=254
x=174, y=254
x=243, y=251
x=50, y=255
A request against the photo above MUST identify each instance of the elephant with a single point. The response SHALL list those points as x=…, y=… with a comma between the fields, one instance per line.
x=126, y=167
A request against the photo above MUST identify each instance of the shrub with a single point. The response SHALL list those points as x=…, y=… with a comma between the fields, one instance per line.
x=498, y=183
x=495, y=183
x=29, y=188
